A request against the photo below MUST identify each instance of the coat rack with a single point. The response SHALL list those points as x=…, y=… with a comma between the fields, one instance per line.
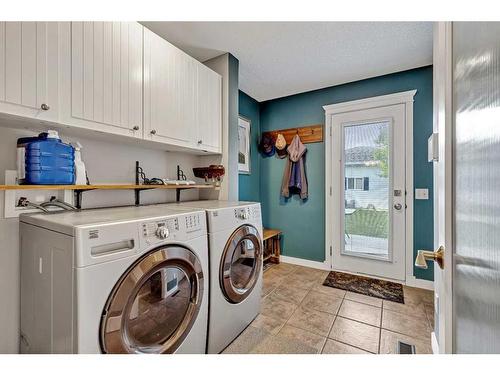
x=307, y=134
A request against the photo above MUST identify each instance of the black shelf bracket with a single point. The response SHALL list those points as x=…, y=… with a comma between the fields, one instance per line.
x=78, y=197
x=137, y=191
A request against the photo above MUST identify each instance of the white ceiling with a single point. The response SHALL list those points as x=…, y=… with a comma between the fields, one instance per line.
x=284, y=58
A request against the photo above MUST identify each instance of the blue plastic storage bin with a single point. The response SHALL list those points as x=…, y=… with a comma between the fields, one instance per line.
x=49, y=161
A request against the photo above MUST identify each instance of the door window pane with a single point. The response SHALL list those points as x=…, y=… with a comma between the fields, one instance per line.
x=366, y=195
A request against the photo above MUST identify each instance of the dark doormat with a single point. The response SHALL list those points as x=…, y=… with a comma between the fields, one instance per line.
x=366, y=285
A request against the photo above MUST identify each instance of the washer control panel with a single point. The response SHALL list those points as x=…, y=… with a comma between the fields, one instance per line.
x=160, y=229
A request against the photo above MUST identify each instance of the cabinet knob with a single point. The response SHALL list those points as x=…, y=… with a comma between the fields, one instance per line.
x=200, y=142
x=153, y=131
x=44, y=107
x=135, y=128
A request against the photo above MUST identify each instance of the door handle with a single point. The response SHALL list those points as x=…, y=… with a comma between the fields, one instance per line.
x=398, y=206
x=424, y=255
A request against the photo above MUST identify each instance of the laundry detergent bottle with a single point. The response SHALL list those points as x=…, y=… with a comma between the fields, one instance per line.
x=49, y=161
x=80, y=171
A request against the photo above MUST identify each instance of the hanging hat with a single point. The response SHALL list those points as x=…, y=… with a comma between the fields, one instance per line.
x=283, y=153
x=280, y=142
x=267, y=145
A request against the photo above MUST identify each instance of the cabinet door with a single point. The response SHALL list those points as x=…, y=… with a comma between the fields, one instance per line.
x=170, y=83
x=102, y=79
x=209, y=122
x=28, y=69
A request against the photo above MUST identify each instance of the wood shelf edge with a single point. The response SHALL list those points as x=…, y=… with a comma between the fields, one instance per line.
x=104, y=187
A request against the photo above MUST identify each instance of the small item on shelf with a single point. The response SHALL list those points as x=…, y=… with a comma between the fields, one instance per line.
x=80, y=172
x=167, y=181
x=48, y=161
x=212, y=174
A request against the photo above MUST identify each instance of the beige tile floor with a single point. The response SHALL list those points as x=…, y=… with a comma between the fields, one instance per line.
x=300, y=315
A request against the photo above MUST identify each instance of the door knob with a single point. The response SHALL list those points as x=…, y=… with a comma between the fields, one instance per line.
x=200, y=142
x=424, y=255
x=44, y=107
x=153, y=131
x=398, y=206
x=135, y=128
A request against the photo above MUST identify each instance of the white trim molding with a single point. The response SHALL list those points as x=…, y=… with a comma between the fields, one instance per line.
x=373, y=102
x=419, y=283
x=305, y=262
x=406, y=98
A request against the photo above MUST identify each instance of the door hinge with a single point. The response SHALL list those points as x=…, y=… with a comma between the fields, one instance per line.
x=330, y=131
x=330, y=190
x=331, y=252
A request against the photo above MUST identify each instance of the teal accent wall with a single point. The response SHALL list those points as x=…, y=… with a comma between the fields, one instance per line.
x=302, y=222
x=249, y=184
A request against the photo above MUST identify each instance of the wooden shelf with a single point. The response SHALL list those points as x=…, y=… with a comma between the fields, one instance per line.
x=80, y=189
x=307, y=134
x=104, y=187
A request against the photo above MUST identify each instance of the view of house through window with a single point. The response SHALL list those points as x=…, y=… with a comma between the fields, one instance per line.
x=366, y=188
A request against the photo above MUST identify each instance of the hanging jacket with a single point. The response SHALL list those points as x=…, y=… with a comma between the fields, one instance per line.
x=294, y=176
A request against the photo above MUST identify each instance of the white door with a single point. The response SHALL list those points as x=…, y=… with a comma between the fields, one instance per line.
x=28, y=69
x=368, y=191
x=170, y=86
x=209, y=98
x=102, y=76
x=443, y=199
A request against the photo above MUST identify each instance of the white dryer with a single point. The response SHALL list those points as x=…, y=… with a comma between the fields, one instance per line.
x=114, y=280
x=235, y=247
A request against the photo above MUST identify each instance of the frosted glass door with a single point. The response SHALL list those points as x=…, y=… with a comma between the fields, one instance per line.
x=476, y=248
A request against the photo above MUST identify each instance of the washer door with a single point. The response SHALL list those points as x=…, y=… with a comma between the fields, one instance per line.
x=155, y=303
x=241, y=263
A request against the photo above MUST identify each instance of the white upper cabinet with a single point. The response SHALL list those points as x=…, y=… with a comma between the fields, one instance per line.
x=169, y=93
x=28, y=69
x=101, y=77
x=209, y=110
x=182, y=97
x=113, y=77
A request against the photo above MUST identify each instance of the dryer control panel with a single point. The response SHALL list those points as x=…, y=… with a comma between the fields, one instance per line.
x=247, y=213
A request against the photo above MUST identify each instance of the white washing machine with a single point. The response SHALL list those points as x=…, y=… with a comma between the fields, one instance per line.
x=114, y=280
x=235, y=247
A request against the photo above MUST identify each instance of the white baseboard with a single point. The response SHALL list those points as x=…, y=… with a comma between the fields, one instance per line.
x=434, y=343
x=420, y=283
x=305, y=262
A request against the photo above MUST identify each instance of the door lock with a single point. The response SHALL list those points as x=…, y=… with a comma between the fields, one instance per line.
x=398, y=206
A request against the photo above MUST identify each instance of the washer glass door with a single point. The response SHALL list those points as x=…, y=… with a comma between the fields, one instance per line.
x=155, y=303
x=241, y=263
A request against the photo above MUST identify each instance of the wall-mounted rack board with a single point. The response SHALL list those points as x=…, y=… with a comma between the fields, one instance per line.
x=79, y=189
x=307, y=134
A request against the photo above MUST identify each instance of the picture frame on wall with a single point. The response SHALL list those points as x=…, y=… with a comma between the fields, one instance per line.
x=244, y=138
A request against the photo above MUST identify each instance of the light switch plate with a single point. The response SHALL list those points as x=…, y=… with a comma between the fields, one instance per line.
x=421, y=193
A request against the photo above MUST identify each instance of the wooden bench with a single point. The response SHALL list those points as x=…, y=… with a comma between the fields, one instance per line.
x=272, y=246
